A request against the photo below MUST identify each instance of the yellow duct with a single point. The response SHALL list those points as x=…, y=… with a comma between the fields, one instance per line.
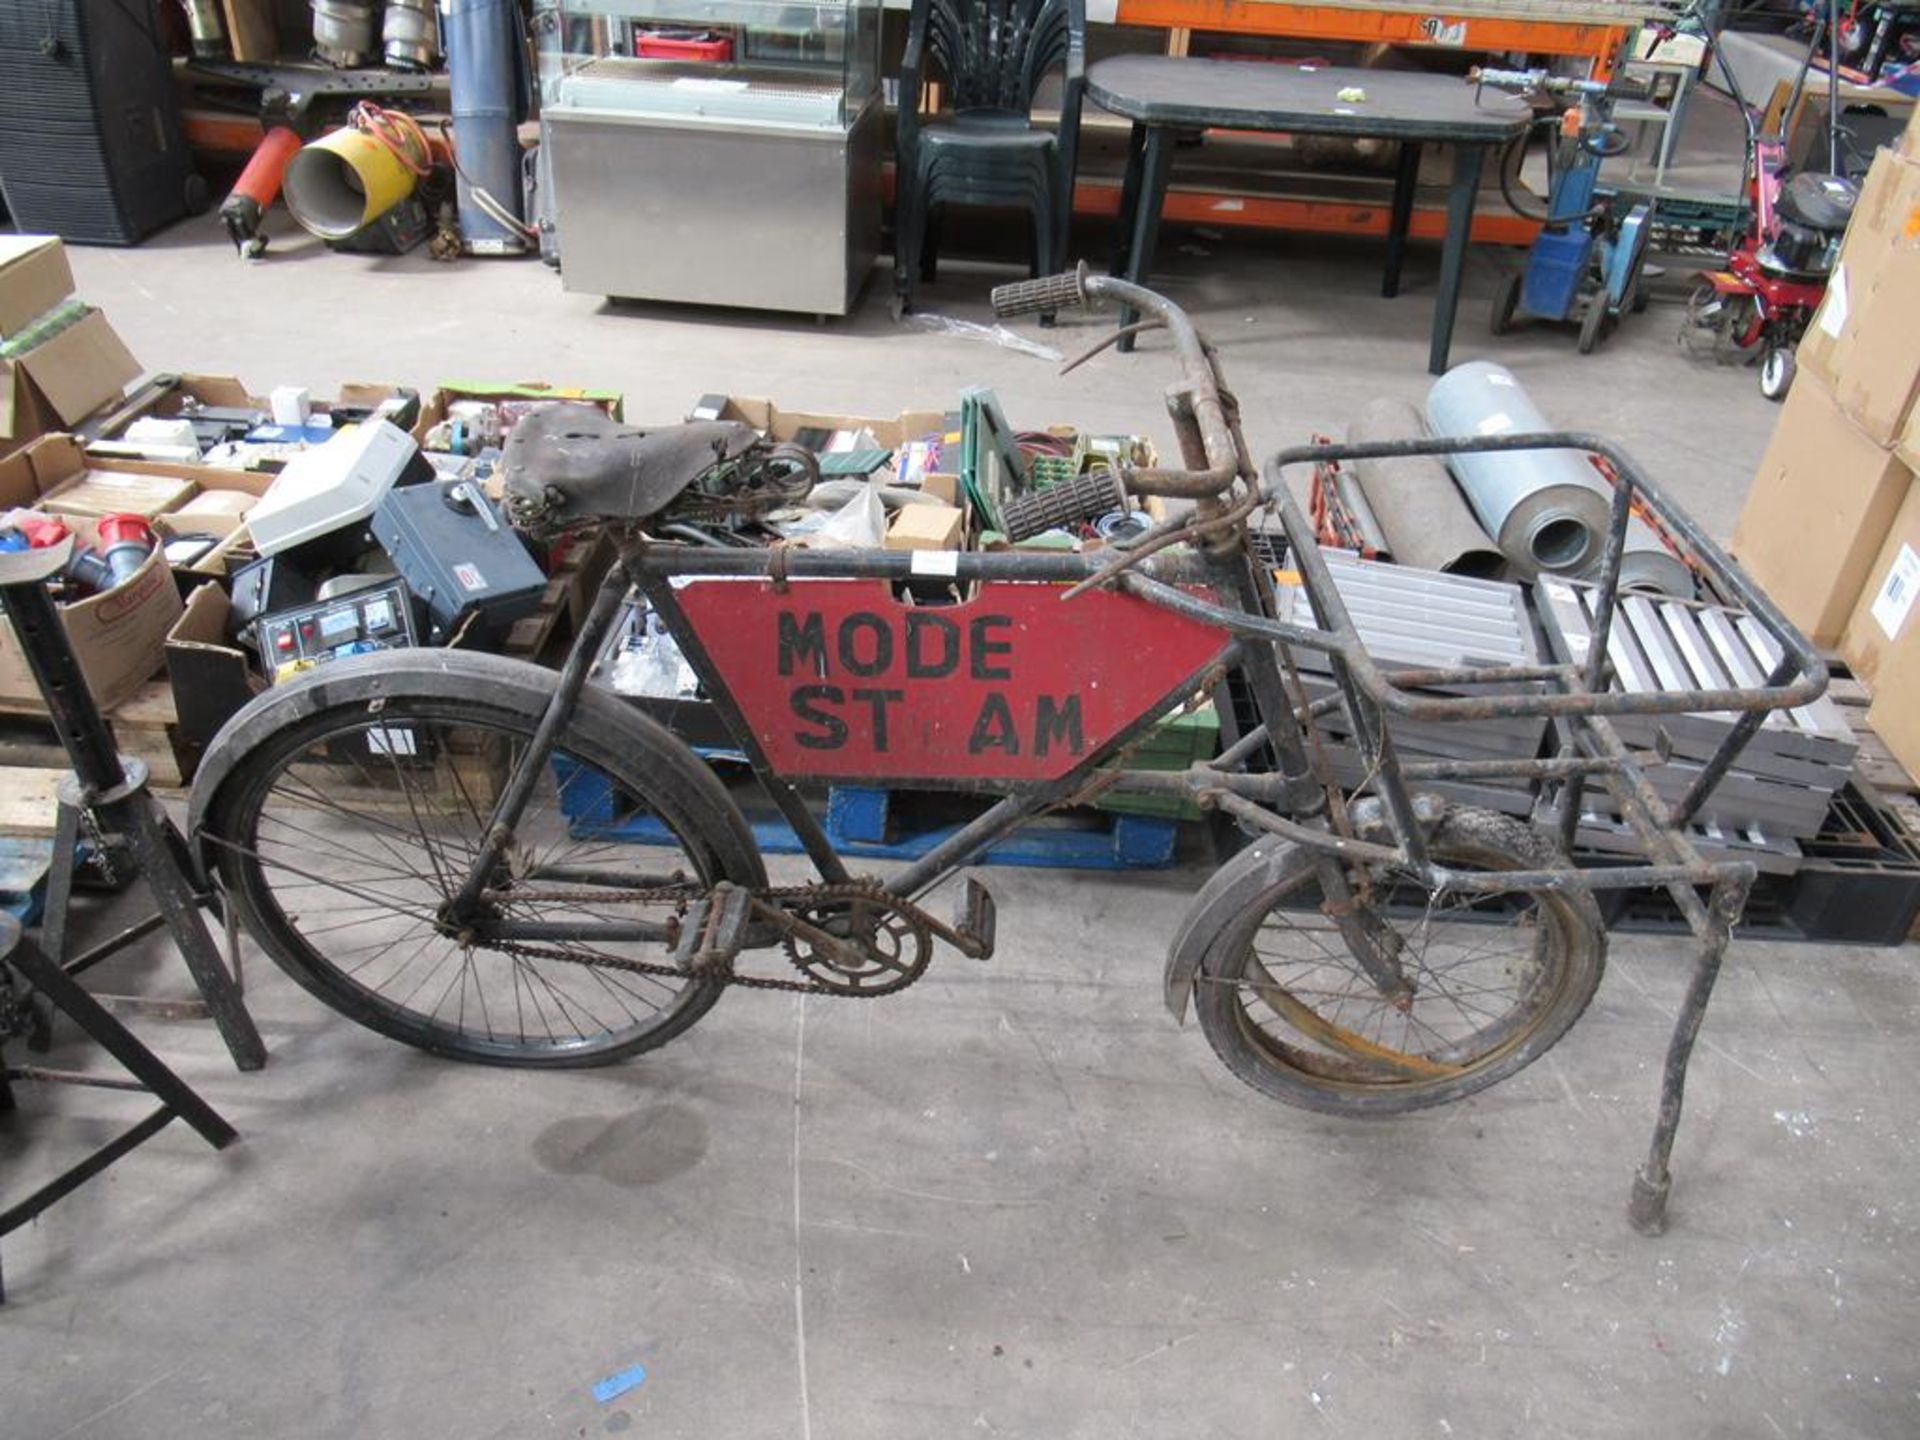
x=339, y=185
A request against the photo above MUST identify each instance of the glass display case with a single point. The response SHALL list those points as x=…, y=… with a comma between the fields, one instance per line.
x=723, y=152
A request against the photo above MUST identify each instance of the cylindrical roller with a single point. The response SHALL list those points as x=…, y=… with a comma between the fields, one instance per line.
x=342, y=183
x=343, y=32
x=1347, y=486
x=1548, y=509
x=1418, y=508
x=1647, y=564
x=482, y=39
x=410, y=34
x=1084, y=497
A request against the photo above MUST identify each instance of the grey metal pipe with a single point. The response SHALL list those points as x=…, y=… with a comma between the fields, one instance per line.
x=1418, y=508
x=1547, y=509
x=1647, y=564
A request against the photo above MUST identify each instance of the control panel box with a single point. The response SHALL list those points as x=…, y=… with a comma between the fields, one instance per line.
x=377, y=618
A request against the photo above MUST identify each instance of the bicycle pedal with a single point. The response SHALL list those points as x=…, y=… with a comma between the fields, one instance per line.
x=714, y=930
x=973, y=919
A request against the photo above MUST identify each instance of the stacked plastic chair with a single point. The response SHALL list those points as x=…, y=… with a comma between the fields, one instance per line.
x=992, y=56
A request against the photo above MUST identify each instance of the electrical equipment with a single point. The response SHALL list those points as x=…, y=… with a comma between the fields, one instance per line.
x=459, y=556
x=379, y=617
x=331, y=486
x=91, y=147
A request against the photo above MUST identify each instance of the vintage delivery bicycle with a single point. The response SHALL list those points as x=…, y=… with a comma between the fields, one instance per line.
x=437, y=843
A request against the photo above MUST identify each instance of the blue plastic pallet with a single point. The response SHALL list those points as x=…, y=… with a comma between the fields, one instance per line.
x=858, y=821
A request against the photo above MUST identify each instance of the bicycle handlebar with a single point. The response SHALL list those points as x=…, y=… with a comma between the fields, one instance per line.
x=1210, y=442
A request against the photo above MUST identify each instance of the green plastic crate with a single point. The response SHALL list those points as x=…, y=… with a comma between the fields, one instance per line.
x=1173, y=744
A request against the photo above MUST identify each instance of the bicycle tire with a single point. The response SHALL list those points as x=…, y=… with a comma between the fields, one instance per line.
x=605, y=750
x=1286, y=1068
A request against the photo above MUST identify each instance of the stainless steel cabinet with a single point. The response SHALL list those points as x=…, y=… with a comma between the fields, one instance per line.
x=748, y=180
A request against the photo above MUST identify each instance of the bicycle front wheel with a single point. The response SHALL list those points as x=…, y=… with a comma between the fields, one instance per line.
x=341, y=834
x=1490, y=981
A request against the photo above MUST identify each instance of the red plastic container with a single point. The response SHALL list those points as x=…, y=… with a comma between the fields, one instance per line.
x=683, y=45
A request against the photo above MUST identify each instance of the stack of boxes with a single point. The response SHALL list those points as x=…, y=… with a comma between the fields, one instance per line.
x=1831, y=528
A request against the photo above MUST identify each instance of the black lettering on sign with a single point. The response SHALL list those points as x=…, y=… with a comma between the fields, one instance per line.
x=993, y=727
x=933, y=645
x=984, y=649
x=832, y=733
x=882, y=633
x=876, y=702
x=802, y=644
x=1057, y=721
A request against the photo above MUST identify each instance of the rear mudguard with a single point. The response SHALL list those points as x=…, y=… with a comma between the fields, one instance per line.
x=440, y=674
x=1234, y=886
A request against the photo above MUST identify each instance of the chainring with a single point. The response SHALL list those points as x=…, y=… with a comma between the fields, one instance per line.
x=893, y=950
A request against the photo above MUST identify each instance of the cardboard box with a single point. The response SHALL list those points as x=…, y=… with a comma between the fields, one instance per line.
x=118, y=492
x=1882, y=618
x=1862, y=340
x=61, y=381
x=53, y=460
x=34, y=277
x=118, y=637
x=1820, y=505
x=211, y=678
x=70, y=374
x=213, y=512
x=940, y=484
x=770, y=419
x=926, y=527
x=434, y=408
x=1894, y=715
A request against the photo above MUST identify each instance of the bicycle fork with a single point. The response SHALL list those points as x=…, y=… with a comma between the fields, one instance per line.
x=1375, y=945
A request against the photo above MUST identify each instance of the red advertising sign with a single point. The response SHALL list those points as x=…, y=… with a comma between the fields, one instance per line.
x=839, y=680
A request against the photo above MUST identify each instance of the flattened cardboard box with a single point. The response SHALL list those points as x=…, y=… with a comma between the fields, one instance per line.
x=1819, y=508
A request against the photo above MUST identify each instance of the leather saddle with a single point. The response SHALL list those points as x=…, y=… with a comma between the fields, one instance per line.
x=571, y=465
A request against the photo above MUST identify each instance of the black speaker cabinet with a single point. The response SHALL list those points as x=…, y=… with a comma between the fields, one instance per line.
x=91, y=147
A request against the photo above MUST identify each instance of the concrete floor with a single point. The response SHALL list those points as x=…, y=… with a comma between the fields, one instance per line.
x=1016, y=1200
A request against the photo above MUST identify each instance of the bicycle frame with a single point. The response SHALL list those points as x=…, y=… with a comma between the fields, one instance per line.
x=1218, y=589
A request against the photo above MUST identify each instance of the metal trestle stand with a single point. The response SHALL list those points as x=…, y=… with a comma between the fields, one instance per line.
x=112, y=790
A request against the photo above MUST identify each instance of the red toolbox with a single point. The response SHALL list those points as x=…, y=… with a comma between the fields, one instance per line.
x=683, y=45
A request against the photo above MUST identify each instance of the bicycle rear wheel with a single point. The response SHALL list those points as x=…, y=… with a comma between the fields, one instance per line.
x=1493, y=982
x=341, y=832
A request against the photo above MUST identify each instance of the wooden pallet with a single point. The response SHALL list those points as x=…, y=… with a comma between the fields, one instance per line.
x=565, y=602
x=146, y=726
x=1875, y=763
x=30, y=801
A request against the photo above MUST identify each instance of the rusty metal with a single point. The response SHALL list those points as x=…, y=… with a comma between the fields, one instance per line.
x=1380, y=830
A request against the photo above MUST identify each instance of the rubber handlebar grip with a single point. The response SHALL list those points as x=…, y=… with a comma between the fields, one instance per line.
x=1040, y=297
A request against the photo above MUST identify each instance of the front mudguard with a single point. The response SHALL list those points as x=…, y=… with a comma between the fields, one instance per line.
x=1235, y=885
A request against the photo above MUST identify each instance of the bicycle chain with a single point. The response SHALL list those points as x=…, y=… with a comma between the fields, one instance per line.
x=848, y=890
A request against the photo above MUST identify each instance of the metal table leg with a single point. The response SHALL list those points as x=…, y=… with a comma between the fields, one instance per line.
x=1146, y=221
x=1467, y=160
x=1406, y=176
x=1123, y=219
